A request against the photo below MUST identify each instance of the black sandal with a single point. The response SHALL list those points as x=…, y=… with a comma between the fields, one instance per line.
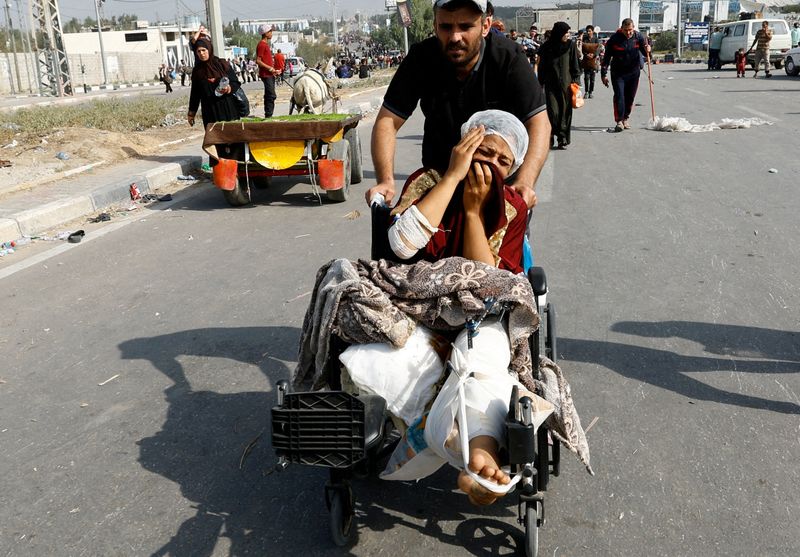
x=76, y=237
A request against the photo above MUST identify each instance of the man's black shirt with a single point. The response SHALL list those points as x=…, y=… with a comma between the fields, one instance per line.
x=502, y=79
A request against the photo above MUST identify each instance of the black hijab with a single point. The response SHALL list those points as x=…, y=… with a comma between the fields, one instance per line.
x=214, y=68
x=560, y=28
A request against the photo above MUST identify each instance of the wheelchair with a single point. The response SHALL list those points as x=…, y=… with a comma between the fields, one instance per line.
x=352, y=435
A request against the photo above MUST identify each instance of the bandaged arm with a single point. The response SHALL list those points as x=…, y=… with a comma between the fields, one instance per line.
x=410, y=233
x=414, y=228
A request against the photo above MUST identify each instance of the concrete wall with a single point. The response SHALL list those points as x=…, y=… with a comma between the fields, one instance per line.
x=123, y=67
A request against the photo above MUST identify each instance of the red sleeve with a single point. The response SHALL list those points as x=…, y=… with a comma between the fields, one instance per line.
x=511, y=248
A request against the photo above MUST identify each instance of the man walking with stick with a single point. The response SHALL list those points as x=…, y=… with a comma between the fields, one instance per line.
x=625, y=50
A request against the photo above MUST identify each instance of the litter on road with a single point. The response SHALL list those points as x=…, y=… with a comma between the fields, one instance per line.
x=678, y=124
x=108, y=380
x=773, y=170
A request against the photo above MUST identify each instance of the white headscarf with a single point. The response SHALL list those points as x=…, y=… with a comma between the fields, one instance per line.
x=507, y=126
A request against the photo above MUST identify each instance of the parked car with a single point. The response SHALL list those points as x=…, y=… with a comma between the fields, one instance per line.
x=740, y=34
x=791, y=62
x=294, y=66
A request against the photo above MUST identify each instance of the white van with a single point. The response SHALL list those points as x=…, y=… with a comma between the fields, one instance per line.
x=741, y=34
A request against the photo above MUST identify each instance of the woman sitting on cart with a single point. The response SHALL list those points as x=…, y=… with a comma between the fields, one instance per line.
x=470, y=212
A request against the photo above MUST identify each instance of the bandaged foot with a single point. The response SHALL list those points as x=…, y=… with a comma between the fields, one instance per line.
x=483, y=460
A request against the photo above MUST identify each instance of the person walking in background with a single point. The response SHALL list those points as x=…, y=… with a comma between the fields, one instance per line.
x=266, y=68
x=624, y=50
x=589, y=49
x=184, y=72
x=741, y=62
x=165, y=75
x=795, y=34
x=280, y=65
x=252, y=69
x=243, y=69
x=558, y=69
x=213, y=98
x=761, y=42
x=714, y=46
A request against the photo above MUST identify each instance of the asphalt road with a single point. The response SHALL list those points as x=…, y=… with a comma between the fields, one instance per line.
x=138, y=366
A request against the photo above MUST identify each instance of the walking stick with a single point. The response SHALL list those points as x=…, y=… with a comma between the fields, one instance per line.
x=650, y=81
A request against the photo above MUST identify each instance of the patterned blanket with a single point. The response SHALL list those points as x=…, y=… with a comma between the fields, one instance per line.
x=381, y=301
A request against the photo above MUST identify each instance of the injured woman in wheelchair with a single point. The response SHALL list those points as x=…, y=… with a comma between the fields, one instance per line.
x=440, y=328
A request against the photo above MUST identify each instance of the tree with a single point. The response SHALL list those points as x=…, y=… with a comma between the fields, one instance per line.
x=421, y=26
x=421, y=21
x=315, y=53
x=72, y=26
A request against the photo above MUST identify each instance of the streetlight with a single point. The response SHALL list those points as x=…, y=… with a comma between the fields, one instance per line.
x=100, y=38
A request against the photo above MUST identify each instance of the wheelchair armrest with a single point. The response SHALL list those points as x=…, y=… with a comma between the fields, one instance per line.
x=538, y=280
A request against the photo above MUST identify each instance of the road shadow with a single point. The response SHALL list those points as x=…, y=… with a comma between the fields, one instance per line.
x=757, y=90
x=277, y=193
x=164, y=159
x=216, y=447
x=738, y=349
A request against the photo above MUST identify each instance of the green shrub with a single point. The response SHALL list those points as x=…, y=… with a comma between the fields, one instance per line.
x=120, y=115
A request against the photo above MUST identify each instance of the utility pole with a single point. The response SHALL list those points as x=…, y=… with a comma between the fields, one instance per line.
x=335, y=28
x=26, y=45
x=679, y=29
x=215, y=27
x=182, y=55
x=52, y=64
x=100, y=38
x=13, y=44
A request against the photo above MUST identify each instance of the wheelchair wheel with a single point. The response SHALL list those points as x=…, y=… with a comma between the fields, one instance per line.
x=342, y=516
x=531, y=529
x=551, y=349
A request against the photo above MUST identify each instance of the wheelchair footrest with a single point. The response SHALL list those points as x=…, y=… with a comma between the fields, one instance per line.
x=333, y=429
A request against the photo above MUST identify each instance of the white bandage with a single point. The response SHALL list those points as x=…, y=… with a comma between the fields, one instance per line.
x=410, y=233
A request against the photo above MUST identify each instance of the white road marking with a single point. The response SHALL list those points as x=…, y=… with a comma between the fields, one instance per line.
x=757, y=113
x=696, y=92
x=94, y=235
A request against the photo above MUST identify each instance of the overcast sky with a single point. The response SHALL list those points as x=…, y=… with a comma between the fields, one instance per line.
x=166, y=9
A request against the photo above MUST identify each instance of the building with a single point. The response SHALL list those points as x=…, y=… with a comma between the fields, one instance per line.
x=658, y=16
x=278, y=23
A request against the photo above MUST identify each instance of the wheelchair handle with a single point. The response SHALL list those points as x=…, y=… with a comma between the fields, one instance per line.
x=377, y=199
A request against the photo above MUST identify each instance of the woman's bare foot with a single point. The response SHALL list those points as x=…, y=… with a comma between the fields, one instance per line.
x=483, y=459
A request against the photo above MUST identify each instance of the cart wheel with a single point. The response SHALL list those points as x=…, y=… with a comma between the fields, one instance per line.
x=551, y=348
x=342, y=516
x=356, y=166
x=238, y=195
x=340, y=150
x=532, y=529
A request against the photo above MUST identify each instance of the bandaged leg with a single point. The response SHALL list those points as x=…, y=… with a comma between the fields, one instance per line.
x=410, y=233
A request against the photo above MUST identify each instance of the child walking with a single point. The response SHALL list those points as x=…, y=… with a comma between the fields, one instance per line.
x=741, y=61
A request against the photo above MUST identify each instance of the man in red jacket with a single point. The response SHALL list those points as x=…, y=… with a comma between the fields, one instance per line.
x=280, y=65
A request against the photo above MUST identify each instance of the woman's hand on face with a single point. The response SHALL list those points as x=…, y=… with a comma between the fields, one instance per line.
x=477, y=187
x=461, y=156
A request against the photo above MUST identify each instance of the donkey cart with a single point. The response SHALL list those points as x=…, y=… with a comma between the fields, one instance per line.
x=245, y=153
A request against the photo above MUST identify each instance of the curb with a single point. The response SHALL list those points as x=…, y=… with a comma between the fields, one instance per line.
x=50, y=215
x=32, y=222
